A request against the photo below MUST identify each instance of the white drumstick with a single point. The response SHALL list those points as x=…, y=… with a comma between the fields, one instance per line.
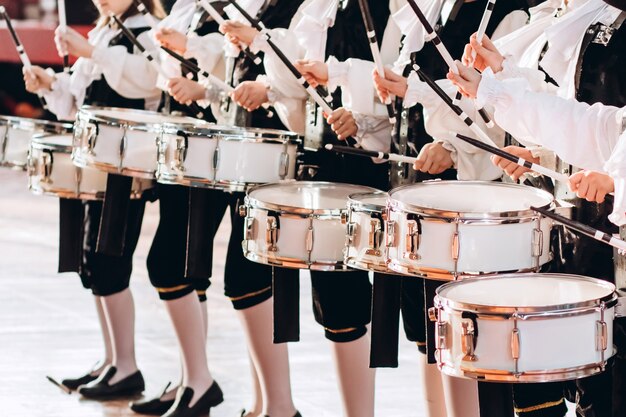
x=63, y=26
x=484, y=22
x=152, y=22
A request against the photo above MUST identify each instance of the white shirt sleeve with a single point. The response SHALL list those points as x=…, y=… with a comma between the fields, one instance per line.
x=208, y=50
x=374, y=132
x=60, y=100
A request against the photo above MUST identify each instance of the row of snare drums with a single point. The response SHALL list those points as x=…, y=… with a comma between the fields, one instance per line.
x=516, y=327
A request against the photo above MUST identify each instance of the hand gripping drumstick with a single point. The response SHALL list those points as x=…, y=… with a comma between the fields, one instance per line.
x=584, y=229
x=196, y=69
x=220, y=20
x=152, y=22
x=316, y=94
x=371, y=35
x=371, y=154
x=20, y=49
x=557, y=176
x=195, y=108
x=484, y=22
x=63, y=26
x=443, y=51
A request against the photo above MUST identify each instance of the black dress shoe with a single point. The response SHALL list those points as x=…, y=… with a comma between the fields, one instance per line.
x=297, y=414
x=211, y=398
x=74, y=383
x=100, y=389
x=153, y=407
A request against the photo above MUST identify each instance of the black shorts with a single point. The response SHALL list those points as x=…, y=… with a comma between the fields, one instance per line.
x=104, y=274
x=342, y=303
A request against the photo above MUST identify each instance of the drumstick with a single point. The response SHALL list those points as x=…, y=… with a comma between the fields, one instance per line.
x=152, y=22
x=445, y=54
x=456, y=109
x=220, y=20
x=155, y=64
x=196, y=69
x=378, y=61
x=61, y=386
x=584, y=229
x=314, y=93
x=20, y=49
x=484, y=22
x=63, y=26
x=371, y=154
x=557, y=176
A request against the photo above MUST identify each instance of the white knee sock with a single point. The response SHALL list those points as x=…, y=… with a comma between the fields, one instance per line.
x=461, y=397
x=186, y=317
x=120, y=314
x=270, y=360
x=356, y=379
x=106, y=338
x=433, y=388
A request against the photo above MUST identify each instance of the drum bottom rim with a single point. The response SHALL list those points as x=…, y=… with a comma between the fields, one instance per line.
x=85, y=196
x=113, y=169
x=438, y=274
x=293, y=263
x=196, y=182
x=370, y=267
x=18, y=166
x=555, y=375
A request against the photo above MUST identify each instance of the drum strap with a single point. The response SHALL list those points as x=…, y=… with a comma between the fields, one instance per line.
x=199, y=246
x=71, y=216
x=430, y=288
x=495, y=399
x=286, y=292
x=114, y=220
x=386, y=299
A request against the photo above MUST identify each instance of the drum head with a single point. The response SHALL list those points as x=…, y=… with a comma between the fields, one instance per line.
x=369, y=201
x=526, y=291
x=470, y=197
x=138, y=117
x=316, y=197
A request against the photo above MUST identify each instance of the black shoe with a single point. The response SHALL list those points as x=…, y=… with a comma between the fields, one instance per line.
x=211, y=398
x=153, y=407
x=297, y=414
x=74, y=383
x=101, y=390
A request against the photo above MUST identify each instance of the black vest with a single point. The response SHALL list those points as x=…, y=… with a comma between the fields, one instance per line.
x=100, y=93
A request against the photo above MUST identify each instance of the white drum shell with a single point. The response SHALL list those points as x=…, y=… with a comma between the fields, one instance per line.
x=225, y=161
x=451, y=246
x=52, y=172
x=556, y=345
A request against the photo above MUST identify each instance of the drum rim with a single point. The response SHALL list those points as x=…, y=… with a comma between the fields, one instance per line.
x=55, y=127
x=355, y=203
x=89, y=112
x=447, y=304
x=37, y=143
x=235, y=133
x=411, y=208
x=254, y=203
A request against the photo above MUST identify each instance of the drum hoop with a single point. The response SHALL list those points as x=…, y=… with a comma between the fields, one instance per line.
x=38, y=143
x=357, y=205
x=113, y=169
x=535, y=312
x=235, y=134
x=254, y=203
x=294, y=263
x=46, y=125
x=477, y=215
x=89, y=113
x=199, y=182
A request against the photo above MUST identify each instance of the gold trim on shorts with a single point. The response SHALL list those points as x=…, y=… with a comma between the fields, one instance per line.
x=538, y=406
x=172, y=289
x=252, y=294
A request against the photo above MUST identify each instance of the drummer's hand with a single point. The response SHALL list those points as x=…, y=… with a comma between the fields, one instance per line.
x=250, y=95
x=487, y=55
x=237, y=32
x=171, y=39
x=342, y=122
x=591, y=185
x=390, y=84
x=467, y=80
x=185, y=91
x=70, y=42
x=511, y=168
x=36, y=78
x=433, y=159
x=315, y=72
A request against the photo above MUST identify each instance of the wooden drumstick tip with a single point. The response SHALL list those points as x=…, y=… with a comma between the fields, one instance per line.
x=328, y=147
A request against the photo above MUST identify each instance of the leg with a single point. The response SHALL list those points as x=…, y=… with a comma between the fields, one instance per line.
x=342, y=305
x=461, y=396
x=249, y=286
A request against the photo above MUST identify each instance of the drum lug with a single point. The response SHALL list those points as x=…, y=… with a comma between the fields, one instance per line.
x=390, y=226
x=249, y=224
x=308, y=240
x=216, y=159
x=92, y=138
x=433, y=314
x=283, y=167
x=78, y=176
x=537, y=242
x=515, y=344
x=243, y=210
x=344, y=217
x=350, y=232
x=46, y=168
x=271, y=234
x=180, y=154
x=375, y=238
x=441, y=335
x=455, y=246
x=601, y=336
x=123, y=145
x=412, y=241
x=468, y=340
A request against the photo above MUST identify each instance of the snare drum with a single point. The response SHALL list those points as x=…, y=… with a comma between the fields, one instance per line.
x=298, y=224
x=524, y=327
x=448, y=229
x=226, y=158
x=51, y=172
x=365, y=235
x=120, y=141
x=16, y=134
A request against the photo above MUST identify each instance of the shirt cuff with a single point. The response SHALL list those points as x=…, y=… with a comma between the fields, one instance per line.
x=259, y=44
x=337, y=73
x=547, y=158
x=194, y=47
x=448, y=147
x=415, y=89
